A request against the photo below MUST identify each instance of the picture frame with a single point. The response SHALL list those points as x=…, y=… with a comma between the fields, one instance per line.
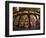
x=9, y=16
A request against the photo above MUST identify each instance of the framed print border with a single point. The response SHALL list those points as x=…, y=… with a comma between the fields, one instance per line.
x=7, y=18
